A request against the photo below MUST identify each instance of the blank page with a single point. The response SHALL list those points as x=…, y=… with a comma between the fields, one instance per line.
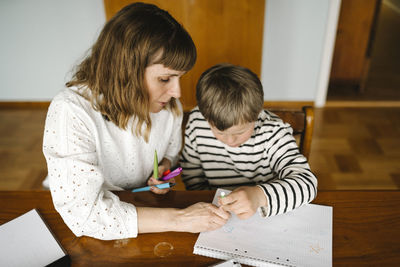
x=26, y=241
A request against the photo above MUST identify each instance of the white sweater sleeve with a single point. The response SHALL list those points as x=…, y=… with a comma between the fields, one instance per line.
x=76, y=180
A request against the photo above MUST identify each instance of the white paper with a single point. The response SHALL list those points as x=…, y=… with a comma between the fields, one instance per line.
x=26, y=241
x=302, y=237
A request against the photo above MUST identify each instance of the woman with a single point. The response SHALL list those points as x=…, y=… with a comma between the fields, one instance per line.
x=102, y=130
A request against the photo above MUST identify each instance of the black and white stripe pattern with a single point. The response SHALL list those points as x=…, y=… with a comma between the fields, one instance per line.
x=269, y=159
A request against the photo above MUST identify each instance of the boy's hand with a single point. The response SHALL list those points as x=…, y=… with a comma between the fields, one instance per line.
x=244, y=201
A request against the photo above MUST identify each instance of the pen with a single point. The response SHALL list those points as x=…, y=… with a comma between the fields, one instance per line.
x=155, y=167
x=172, y=174
x=147, y=188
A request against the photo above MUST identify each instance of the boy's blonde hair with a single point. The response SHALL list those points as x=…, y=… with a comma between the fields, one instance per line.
x=229, y=95
x=138, y=36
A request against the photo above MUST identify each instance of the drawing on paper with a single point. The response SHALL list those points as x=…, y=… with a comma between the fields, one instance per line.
x=315, y=248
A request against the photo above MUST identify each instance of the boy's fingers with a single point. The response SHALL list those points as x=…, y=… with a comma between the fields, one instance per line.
x=226, y=200
x=234, y=207
x=244, y=215
x=227, y=207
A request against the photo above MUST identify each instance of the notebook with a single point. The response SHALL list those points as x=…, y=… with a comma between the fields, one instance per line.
x=302, y=237
x=27, y=241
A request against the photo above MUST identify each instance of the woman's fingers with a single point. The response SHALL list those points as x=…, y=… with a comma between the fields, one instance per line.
x=161, y=170
x=230, y=203
x=222, y=213
x=159, y=191
x=202, y=217
x=156, y=190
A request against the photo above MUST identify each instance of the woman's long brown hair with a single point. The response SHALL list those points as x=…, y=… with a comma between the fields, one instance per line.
x=138, y=36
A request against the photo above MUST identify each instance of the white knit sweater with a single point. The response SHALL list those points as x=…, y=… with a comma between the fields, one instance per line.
x=87, y=156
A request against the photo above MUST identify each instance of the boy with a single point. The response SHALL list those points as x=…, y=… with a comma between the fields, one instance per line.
x=231, y=142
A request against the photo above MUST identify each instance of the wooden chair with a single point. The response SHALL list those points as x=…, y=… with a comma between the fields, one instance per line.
x=301, y=120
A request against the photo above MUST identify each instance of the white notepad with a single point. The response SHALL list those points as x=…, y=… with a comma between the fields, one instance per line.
x=302, y=237
x=26, y=241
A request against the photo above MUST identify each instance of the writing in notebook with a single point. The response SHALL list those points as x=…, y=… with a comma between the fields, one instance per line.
x=302, y=237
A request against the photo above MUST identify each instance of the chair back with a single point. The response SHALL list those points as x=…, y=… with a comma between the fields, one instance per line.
x=302, y=122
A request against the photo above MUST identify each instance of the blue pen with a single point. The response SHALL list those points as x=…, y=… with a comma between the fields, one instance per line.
x=147, y=188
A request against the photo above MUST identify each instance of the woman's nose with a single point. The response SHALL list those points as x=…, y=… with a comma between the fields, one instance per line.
x=175, y=90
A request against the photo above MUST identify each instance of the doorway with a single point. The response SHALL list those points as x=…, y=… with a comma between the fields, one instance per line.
x=380, y=78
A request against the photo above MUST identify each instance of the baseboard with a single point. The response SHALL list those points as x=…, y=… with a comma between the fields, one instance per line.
x=275, y=104
x=24, y=104
x=362, y=104
x=287, y=104
x=45, y=104
x=267, y=104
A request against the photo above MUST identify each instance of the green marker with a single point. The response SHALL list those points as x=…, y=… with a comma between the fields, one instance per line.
x=155, y=170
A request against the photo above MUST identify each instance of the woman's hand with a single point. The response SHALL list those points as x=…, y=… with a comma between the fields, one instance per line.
x=244, y=201
x=201, y=217
x=165, y=164
x=156, y=190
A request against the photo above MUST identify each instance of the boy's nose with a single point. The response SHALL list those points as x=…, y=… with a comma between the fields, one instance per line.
x=230, y=140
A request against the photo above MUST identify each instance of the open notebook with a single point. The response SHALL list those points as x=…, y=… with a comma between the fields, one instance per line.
x=302, y=237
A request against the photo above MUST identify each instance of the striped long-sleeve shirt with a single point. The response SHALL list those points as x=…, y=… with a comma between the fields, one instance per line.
x=270, y=159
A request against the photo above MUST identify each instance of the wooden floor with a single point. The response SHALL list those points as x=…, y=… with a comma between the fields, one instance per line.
x=356, y=148
x=22, y=163
x=353, y=148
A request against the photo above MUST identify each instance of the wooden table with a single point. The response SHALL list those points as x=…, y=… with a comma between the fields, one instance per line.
x=366, y=229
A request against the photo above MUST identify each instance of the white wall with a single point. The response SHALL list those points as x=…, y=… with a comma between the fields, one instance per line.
x=293, y=48
x=40, y=43
x=42, y=40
